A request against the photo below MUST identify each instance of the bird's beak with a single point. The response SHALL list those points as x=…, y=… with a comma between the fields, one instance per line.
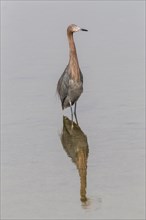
x=82, y=29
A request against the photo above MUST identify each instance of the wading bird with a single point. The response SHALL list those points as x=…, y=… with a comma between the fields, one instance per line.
x=70, y=84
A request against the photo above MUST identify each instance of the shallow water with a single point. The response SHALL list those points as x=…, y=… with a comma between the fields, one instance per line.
x=48, y=166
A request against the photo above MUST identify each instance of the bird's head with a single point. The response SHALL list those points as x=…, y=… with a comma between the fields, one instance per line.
x=74, y=28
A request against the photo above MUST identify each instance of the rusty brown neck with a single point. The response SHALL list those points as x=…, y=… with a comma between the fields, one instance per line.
x=73, y=59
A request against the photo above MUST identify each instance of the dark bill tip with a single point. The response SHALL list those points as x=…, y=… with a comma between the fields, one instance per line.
x=82, y=29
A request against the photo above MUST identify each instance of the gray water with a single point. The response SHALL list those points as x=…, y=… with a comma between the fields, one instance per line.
x=43, y=161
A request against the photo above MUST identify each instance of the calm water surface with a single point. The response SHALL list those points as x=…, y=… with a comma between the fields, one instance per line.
x=96, y=169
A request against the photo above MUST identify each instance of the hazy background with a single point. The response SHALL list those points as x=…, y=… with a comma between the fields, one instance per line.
x=38, y=180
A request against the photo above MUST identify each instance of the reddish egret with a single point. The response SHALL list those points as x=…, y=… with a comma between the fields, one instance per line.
x=70, y=84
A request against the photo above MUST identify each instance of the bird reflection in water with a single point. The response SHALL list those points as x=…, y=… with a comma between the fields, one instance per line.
x=75, y=144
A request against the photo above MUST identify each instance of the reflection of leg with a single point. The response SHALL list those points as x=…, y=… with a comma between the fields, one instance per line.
x=75, y=112
x=71, y=111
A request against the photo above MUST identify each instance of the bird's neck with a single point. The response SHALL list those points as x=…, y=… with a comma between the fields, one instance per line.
x=73, y=59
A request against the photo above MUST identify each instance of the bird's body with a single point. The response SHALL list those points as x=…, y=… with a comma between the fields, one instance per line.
x=70, y=84
x=69, y=89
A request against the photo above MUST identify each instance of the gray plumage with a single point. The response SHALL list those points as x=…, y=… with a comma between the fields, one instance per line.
x=68, y=89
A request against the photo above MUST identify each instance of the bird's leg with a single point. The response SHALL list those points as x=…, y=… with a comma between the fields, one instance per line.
x=71, y=111
x=75, y=112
